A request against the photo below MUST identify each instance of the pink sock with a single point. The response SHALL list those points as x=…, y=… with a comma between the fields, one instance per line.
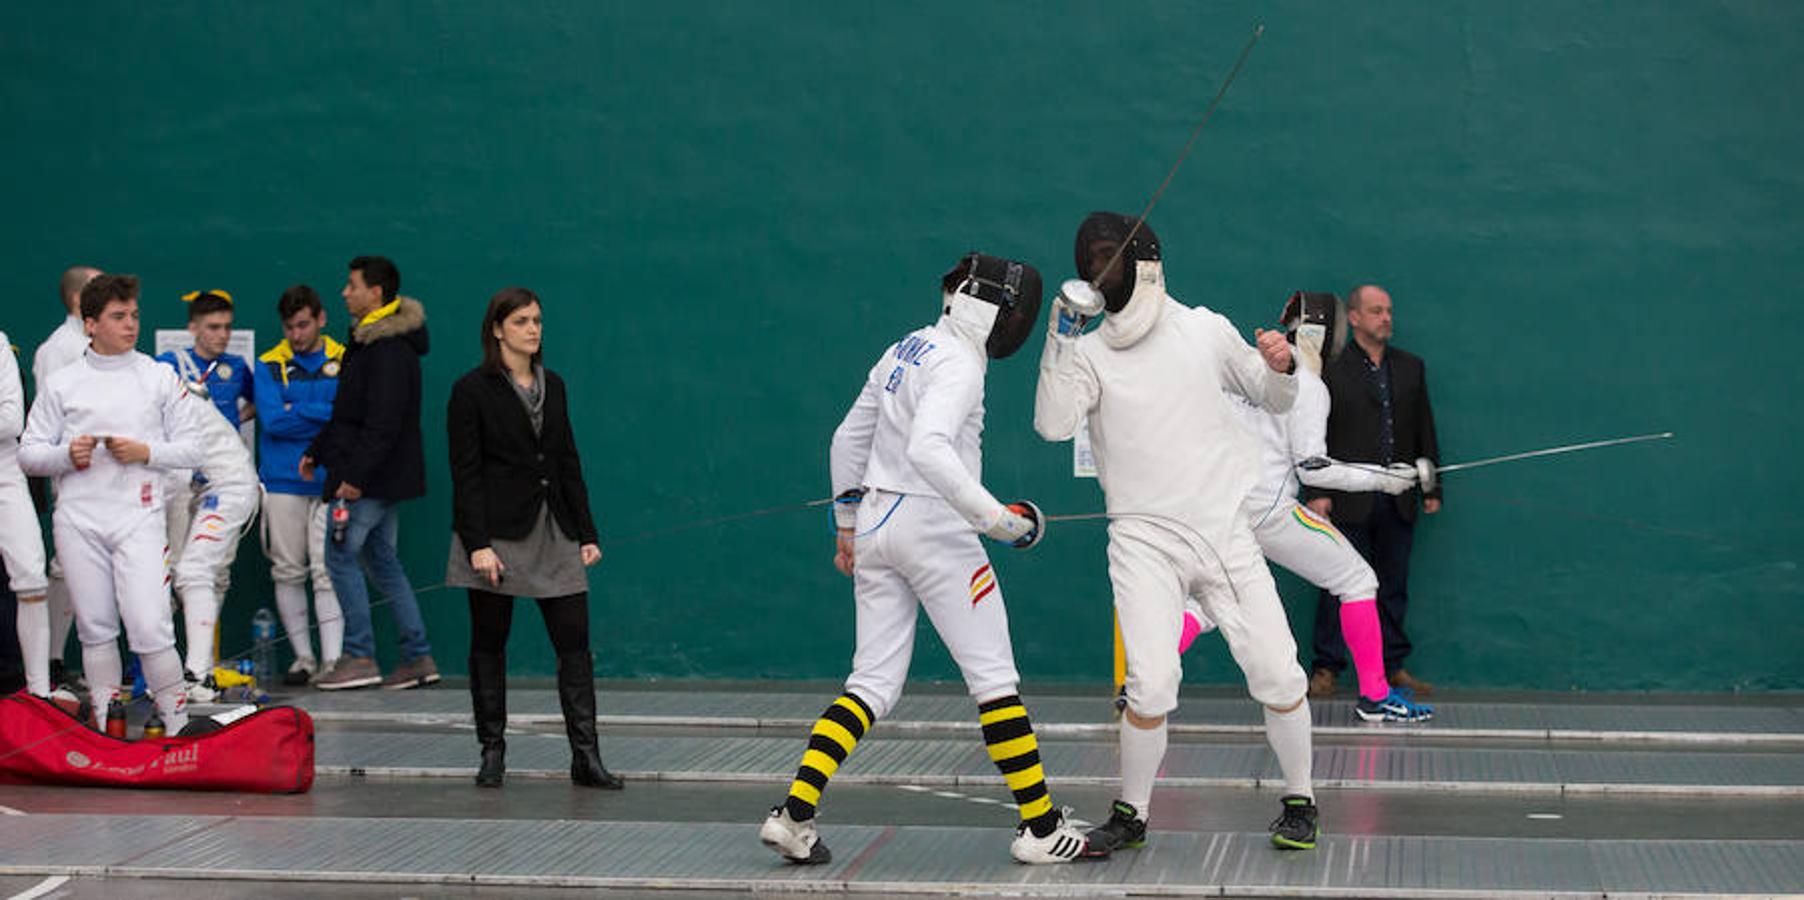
x=1192, y=628
x=1359, y=626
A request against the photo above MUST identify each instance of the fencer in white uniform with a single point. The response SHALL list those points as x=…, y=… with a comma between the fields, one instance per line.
x=222, y=497
x=906, y=464
x=21, y=542
x=1175, y=465
x=106, y=429
x=1293, y=448
x=64, y=346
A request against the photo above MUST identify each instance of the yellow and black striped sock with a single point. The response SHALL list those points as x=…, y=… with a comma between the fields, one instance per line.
x=1009, y=737
x=835, y=733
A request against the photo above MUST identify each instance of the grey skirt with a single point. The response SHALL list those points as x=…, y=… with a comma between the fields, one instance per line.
x=544, y=563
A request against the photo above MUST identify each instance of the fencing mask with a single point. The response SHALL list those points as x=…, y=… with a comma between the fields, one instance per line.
x=1317, y=324
x=1098, y=238
x=998, y=299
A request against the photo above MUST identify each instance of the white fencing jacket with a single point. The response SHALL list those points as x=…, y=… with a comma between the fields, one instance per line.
x=1288, y=438
x=917, y=425
x=129, y=395
x=1165, y=437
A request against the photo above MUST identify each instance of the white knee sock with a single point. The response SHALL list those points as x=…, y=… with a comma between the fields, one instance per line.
x=163, y=675
x=200, y=617
x=62, y=617
x=331, y=623
x=34, y=645
x=101, y=665
x=291, y=603
x=1289, y=735
x=1142, y=750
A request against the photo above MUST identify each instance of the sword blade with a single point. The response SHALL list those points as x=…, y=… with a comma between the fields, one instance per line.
x=1554, y=451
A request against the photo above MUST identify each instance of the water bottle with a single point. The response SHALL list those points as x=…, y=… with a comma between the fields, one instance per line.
x=153, y=727
x=341, y=519
x=115, y=719
x=263, y=646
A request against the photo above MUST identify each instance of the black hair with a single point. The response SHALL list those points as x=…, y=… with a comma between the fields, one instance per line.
x=297, y=299
x=379, y=271
x=105, y=289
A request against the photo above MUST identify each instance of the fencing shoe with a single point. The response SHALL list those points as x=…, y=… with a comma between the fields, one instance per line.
x=1295, y=827
x=1125, y=830
x=1396, y=707
x=794, y=841
x=1063, y=844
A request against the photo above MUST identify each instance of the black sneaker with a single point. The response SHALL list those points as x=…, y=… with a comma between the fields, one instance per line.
x=1125, y=830
x=1295, y=828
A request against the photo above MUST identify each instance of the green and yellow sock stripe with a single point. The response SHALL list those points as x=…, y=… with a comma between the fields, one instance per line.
x=835, y=733
x=1008, y=735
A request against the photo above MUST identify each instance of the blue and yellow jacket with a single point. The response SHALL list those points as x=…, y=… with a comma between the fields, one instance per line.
x=294, y=401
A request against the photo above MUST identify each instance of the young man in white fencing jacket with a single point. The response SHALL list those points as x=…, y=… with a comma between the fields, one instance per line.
x=906, y=463
x=65, y=345
x=1294, y=451
x=1175, y=466
x=107, y=429
x=21, y=541
x=221, y=504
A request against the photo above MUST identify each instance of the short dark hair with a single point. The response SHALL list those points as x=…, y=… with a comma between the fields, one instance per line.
x=208, y=303
x=297, y=299
x=506, y=302
x=104, y=289
x=379, y=271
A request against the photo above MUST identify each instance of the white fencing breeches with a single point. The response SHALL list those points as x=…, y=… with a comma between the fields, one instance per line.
x=118, y=573
x=1153, y=567
x=1294, y=537
x=911, y=550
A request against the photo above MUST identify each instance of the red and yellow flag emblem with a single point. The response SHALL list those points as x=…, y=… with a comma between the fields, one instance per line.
x=983, y=581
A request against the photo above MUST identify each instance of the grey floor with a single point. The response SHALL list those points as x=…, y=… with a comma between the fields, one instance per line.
x=1503, y=795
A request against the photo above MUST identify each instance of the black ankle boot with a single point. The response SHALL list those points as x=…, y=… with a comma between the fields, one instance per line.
x=488, y=699
x=576, y=693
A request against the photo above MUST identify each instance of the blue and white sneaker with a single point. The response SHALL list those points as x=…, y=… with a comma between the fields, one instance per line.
x=1396, y=707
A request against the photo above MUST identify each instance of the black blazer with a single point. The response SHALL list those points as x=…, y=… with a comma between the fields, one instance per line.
x=1354, y=422
x=501, y=472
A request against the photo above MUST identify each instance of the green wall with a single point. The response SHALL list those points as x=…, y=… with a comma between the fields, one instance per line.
x=1587, y=214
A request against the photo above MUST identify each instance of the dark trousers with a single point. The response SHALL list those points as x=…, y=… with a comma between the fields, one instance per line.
x=492, y=618
x=1384, y=539
x=12, y=662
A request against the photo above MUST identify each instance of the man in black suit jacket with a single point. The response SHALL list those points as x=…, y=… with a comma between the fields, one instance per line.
x=1380, y=414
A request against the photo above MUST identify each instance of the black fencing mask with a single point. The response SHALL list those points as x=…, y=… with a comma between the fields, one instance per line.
x=1111, y=230
x=1011, y=286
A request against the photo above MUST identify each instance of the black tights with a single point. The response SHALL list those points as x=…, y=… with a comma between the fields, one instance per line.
x=492, y=615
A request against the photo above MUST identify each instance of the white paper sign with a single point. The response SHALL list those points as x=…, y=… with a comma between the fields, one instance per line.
x=1083, y=461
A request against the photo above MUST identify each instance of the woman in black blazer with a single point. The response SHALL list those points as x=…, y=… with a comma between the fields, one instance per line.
x=521, y=527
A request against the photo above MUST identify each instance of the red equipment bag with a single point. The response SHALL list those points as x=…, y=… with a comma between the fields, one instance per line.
x=269, y=752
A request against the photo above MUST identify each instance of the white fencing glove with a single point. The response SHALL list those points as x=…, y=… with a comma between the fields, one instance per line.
x=1019, y=525
x=1076, y=304
x=1399, y=478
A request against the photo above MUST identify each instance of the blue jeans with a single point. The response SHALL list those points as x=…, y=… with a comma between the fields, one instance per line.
x=369, y=546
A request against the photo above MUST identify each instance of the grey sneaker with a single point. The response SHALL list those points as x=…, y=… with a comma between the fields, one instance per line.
x=350, y=672
x=412, y=674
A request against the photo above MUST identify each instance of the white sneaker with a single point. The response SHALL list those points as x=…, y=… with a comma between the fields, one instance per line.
x=794, y=841
x=1063, y=844
x=301, y=673
x=66, y=700
x=201, y=690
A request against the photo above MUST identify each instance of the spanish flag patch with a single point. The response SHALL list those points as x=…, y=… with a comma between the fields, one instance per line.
x=983, y=581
